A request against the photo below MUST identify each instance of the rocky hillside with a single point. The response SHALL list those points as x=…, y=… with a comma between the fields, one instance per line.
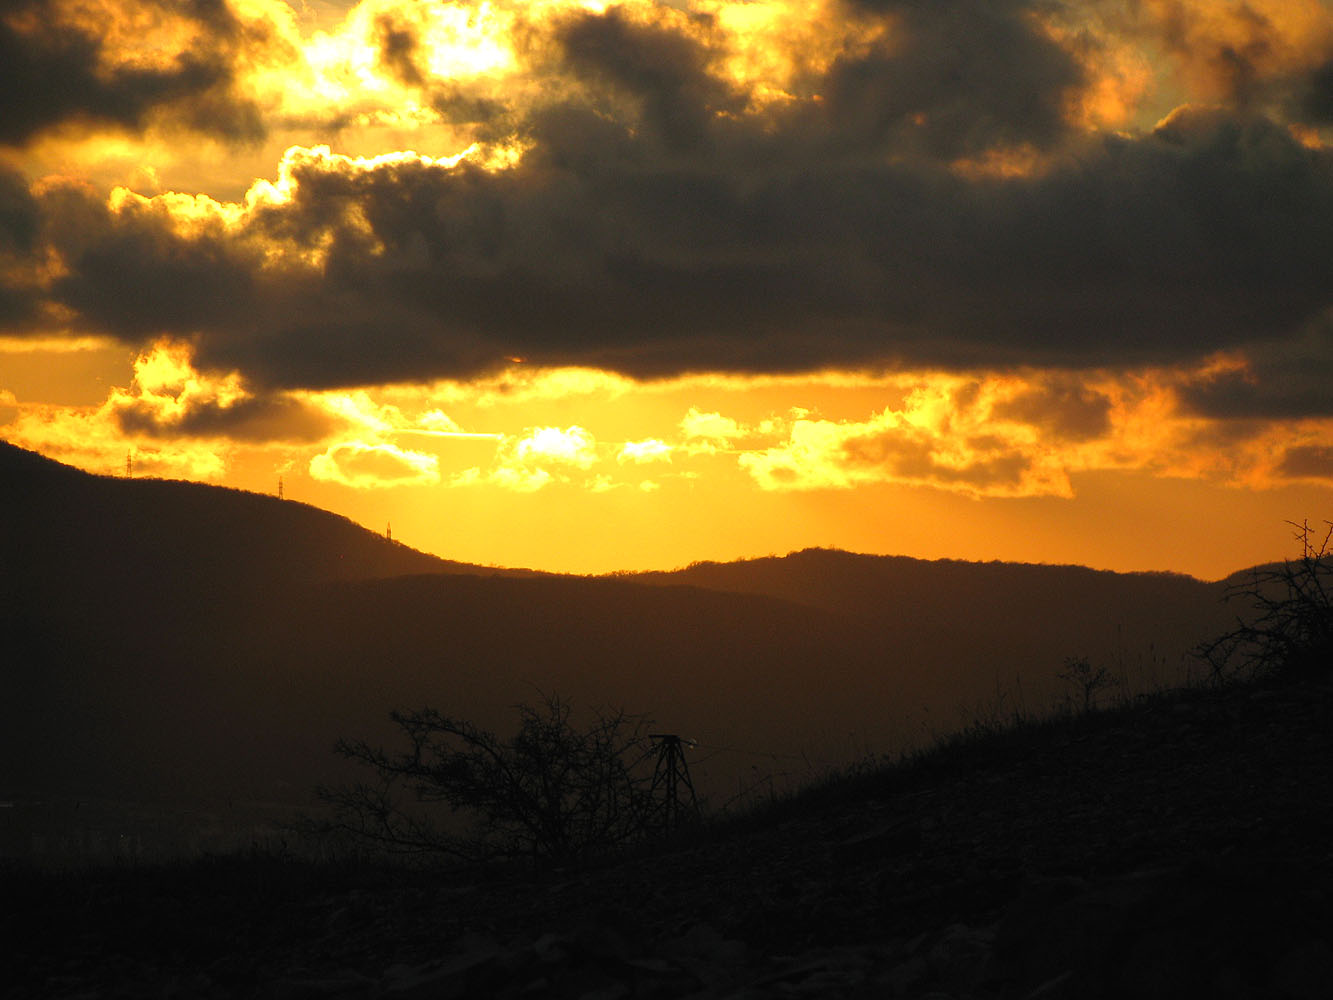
x=1178, y=847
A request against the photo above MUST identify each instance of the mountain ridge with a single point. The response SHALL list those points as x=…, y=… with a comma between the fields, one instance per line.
x=170, y=639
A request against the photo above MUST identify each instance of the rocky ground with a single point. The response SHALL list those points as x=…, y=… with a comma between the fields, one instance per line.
x=1180, y=847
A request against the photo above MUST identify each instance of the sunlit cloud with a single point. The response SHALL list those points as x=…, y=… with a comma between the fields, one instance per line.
x=1242, y=52
x=641, y=452
x=711, y=430
x=52, y=344
x=572, y=446
x=91, y=439
x=374, y=466
x=539, y=457
x=1025, y=436
x=945, y=436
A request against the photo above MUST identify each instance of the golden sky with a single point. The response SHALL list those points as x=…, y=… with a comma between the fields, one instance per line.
x=588, y=287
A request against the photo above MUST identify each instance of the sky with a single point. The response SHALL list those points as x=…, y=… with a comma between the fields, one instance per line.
x=590, y=287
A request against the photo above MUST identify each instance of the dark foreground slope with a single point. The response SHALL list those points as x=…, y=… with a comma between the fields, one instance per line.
x=1176, y=848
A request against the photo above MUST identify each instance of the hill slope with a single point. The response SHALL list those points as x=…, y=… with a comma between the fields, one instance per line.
x=63, y=528
x=1174, y=849
x=179, y=641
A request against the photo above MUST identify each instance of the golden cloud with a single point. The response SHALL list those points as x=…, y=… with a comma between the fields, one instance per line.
x=91, y=439
x=648, y=450
x=710, y=430
x=537, y=458
x=359, y=465
x=1026, y=435
x=572, y=446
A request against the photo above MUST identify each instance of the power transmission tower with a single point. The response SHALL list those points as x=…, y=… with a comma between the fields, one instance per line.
x=671, y=775
x=129, y=464
x=279, y=487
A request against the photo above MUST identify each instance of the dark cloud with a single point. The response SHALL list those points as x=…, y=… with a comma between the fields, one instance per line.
x=399, y=50
x=901, y=456
x=1315, y=95
x=1063, y=408
x=654, y=228
x=663, y=72
x=952, y=78
x=18, y=214
x=55, y=71
x=1308, y=462
x=257, y=419
x=1290, y=378
x=19, y=224
x=133, y=277
x=1209, y=234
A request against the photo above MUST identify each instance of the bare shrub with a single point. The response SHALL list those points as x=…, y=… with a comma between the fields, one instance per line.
x=1087, y=681
x=552, y=791
x=1287, y=626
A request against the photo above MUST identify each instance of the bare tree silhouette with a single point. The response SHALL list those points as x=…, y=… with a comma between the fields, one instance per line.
x=1088, y=681
x=1289, y=624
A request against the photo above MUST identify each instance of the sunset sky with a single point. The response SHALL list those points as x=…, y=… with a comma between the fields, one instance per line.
x=588, y=287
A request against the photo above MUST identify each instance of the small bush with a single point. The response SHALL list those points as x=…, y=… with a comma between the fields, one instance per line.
x=550, y=792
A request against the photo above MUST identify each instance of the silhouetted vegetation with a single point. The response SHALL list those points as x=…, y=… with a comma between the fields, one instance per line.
x=1288, y=624
x=551, y=792
x=1087, y=681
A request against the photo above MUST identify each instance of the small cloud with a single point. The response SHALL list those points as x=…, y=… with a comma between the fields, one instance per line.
x=711, y=427
x=374, y=466
x=519, y=480
x=540, y=457
x=572, y=446
x=641, y=452
x=709, y=433
x=438, y=422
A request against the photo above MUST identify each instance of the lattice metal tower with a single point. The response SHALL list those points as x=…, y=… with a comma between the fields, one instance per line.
x=671, y=780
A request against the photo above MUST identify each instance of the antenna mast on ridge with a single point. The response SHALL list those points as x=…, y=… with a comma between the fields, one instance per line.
x=279, y=487
x=129, y=464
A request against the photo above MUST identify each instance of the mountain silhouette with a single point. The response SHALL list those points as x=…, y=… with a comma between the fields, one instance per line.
x=173, y=641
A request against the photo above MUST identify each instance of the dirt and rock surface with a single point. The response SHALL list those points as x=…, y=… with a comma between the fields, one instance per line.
x=1180, y=847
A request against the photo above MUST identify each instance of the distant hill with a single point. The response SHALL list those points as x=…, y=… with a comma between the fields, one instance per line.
x=877, y=585
x=1012, y=623
x=171, y=640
